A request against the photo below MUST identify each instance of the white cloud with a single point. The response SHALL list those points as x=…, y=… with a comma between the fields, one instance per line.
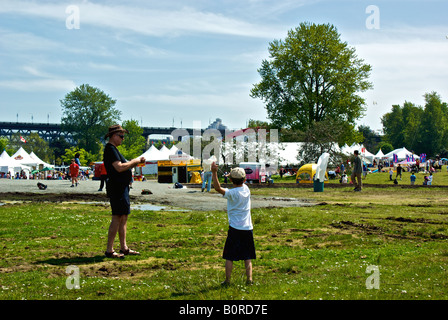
x=152, y=22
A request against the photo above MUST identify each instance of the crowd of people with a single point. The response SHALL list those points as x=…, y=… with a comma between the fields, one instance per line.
x=428, y=168
x=48, y=175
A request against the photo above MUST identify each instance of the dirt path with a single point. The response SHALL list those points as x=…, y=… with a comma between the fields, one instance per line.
x=164, y=195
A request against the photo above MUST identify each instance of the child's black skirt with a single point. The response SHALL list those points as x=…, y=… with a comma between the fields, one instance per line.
x=239, y=245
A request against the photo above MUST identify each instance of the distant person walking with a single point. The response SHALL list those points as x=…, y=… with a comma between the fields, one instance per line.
x=357, y=171
x=74, y=172
x=119, y=172
x=399, y=170
x=103, y=176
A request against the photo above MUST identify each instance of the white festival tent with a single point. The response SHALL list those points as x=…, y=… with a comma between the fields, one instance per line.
x=39, y=161
x=345, y=149
x=24, y=158
x=366, y=155
x=379, y=155
x=4, y=155
x=152, y=155
x=165, y=152
x=175, y=151
x=8, y=164
x=21, y=160
x=401, y=154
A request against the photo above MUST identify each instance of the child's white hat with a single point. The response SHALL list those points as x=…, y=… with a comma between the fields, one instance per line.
x=237, y=173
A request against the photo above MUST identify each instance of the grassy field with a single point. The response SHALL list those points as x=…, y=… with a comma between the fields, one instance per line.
x=309, y=253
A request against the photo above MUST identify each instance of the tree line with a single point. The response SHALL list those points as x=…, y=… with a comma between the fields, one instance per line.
x=422, y=129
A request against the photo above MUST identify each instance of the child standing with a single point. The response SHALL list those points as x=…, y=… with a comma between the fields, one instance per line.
x=240, y=241
x=413, y=177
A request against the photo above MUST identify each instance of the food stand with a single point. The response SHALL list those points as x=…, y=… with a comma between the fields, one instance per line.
x=177, y=169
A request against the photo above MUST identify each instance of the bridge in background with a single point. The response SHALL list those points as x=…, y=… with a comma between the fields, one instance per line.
x=53, y=131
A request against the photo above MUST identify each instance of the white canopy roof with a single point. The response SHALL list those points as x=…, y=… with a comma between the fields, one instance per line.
x=153, y=154
x=39, y=161
x=360, y=147
x=379, y=154
x=22, y=157
x=4, y=155
x=401, y=154
x=165, y=152
x=8, y=164
x=175, y=150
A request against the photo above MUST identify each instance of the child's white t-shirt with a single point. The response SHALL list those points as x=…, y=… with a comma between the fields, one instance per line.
x=238, y=207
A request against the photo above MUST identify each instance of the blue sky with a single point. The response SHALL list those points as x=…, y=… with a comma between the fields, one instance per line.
x=173, y=62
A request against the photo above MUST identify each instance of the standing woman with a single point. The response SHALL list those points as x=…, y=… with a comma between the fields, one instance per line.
x=117, y=187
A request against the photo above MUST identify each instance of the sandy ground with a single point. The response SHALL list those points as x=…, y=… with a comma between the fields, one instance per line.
x=163, y=195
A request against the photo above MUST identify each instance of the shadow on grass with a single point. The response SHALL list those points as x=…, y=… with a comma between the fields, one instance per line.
x=73, y=260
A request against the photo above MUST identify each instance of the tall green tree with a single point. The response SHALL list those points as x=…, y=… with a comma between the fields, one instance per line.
x=402, y=126
x=58, y=146
x=312, y=76
x=87, y=113
x=85, y=157
x=4, y=142
x=370, y=138
x=385, y=147
x=412, y=116
x=420, y=129
x=134, y=143
x=434, y=124
x=393, y=126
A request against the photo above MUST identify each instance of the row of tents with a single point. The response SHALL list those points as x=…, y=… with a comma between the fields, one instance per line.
x=397, y=155
x=22, y=161
x=286, y=153
x=153, y=155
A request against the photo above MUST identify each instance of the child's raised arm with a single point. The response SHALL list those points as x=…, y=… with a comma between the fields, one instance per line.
x=216, y=183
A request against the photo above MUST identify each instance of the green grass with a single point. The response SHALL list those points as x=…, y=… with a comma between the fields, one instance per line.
x=439, y=178
x=309, y=253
